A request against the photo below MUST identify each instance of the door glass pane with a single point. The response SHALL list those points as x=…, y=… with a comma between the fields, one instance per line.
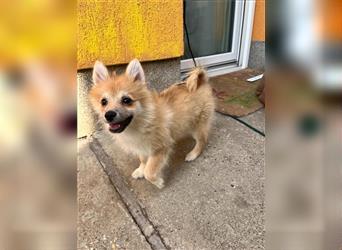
x=210, y=27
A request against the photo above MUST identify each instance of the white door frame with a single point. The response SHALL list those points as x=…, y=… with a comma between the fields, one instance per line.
x=238, y=58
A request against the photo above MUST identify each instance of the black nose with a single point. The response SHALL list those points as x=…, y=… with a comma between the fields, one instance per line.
x=110, y=115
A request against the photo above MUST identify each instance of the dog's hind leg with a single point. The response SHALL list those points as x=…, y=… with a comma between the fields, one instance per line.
x=139, y=172
x=201, y=138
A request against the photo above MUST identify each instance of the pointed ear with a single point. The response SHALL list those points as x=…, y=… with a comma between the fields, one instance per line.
x=135, y=71
x=100, y=72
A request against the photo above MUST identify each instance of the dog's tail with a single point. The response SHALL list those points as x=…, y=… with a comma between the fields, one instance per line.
x=197, y=77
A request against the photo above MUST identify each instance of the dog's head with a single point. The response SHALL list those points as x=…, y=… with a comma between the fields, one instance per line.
x=118, y=99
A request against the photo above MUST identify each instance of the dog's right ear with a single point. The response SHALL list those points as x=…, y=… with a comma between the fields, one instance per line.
x=135, y=71
x=100, y=72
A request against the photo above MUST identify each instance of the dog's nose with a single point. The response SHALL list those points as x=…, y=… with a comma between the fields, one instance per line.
x=110, y=115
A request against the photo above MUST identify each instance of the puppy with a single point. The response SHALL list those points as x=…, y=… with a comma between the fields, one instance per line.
x=147, y=123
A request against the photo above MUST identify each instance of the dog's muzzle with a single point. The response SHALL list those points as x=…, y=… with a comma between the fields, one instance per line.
x=119, y=126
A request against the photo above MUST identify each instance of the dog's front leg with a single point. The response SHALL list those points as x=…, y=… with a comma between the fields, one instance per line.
x=139, y=172
x=153, y=168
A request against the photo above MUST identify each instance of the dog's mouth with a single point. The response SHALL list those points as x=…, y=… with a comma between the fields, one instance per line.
x=118, y=127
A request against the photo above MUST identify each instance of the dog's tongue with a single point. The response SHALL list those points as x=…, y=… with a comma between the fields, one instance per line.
x=114, y=125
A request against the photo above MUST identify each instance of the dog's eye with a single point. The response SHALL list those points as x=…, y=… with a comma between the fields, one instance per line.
x=126, y=100
x=104, y=101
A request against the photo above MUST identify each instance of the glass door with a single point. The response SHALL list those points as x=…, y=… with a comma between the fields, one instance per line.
x=214, y=30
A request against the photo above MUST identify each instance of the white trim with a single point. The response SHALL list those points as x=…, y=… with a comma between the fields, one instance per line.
x=188, y=64
x=241, y=55
x=247, y=33
x=224, y=70
x=218, y=70
x=232, y=56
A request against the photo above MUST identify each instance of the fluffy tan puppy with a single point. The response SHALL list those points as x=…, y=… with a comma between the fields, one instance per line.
x=146, y=123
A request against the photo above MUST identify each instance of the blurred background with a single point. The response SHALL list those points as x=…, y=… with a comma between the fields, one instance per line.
x=37, y=124
x=304, y=125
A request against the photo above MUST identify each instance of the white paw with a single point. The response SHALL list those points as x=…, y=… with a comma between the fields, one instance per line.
x=159, y=183
x=138, y=173
x=191, y=156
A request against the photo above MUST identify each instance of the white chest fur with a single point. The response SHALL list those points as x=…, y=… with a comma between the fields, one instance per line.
x=134, y=142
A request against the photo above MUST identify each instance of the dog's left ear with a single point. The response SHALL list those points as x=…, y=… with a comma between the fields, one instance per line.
x=135, y=71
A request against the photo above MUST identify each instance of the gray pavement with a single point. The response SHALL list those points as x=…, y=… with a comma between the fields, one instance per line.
x=214, y=202
x=103, y=221
x=256, y=119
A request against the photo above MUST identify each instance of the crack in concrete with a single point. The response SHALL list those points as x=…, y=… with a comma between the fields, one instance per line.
x=137, y=213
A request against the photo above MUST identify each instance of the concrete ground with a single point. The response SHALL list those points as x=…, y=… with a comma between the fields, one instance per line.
x=214, y=202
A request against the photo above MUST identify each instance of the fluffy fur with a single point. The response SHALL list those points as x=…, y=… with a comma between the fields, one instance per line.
x=158, y=120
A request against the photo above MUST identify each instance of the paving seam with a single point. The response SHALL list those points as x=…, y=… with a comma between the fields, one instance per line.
x=131, y=203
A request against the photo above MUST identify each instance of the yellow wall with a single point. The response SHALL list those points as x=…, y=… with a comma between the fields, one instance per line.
x=116, y=31
x=259, y=21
